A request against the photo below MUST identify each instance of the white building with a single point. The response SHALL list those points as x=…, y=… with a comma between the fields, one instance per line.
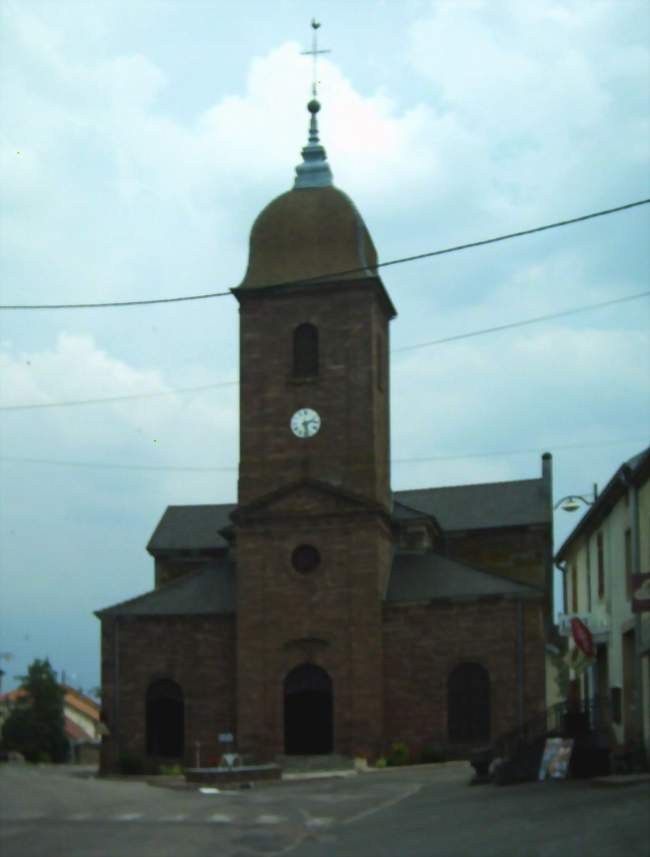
x=599, y=558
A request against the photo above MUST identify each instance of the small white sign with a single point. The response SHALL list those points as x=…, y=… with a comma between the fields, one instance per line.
x=226, y=737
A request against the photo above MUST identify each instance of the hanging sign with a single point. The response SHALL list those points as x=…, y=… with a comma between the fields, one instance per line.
x=582, y=637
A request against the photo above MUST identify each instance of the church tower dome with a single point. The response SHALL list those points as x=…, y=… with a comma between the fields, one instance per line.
x=313, y=231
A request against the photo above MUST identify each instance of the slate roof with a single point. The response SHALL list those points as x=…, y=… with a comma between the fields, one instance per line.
x=210, y=590
x=634, y=463
x=414, y=577
x=191, y=528
x=75, y=732
x=635, y=469
x=456, y=507
x=423, y=577
x=494, y=504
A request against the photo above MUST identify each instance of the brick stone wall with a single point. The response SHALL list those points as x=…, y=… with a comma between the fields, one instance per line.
x=331, y=618
x=520, y=553
x=424, y=643
x=350, y=392
x=197, y=652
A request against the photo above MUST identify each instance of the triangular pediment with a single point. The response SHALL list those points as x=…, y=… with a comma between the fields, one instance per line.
x=304, y=498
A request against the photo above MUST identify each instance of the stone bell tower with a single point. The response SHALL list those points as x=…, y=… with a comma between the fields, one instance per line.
x=312, y=527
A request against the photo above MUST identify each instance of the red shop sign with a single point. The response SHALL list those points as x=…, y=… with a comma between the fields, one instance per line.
x=582, y=637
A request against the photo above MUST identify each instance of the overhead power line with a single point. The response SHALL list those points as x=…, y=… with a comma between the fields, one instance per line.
x=415, y=460
x=182, y=390
x=510, y=325
x=106, y=400
x=331, y=276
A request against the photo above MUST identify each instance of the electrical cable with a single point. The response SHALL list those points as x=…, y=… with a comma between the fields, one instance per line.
x=113, y=399
x=522, y=323
x=415, y=460
x=337, y=274
x=428, y=344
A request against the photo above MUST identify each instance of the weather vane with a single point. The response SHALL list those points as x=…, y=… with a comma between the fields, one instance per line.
x=314, y=52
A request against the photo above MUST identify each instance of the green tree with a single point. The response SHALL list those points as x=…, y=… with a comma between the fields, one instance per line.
x=35, y=727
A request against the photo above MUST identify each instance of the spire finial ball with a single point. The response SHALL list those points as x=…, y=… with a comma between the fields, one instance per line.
x=313, y=106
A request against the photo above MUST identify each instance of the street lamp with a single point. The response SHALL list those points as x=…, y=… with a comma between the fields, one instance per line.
x=571, y=502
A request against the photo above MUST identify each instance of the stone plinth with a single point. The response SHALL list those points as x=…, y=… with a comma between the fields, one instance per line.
x=226, y=777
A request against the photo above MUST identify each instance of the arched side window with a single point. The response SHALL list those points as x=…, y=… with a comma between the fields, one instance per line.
x=165, y=719
x=381, y=363
x=468, y=703
x=305, y=351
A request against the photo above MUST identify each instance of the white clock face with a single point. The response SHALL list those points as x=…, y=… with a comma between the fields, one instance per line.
x=305, y=423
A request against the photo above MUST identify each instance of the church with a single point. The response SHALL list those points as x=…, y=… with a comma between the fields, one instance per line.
x=323, y=612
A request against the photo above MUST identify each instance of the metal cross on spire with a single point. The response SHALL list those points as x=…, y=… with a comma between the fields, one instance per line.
x=314, y=53
x=314, y=170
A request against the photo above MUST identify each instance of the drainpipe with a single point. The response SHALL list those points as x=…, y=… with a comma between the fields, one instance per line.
x=116, y=698
x=561, y=567
x=547, y=487
x=520, y=665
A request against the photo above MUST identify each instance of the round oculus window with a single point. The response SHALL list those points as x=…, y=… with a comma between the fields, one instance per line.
x=305, y=559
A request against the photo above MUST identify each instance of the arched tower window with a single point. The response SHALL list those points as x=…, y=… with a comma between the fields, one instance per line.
x=305, y=351
x=165, y=720
x=468, y=703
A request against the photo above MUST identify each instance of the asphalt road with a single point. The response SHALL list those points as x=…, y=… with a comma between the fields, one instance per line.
x=414, y=812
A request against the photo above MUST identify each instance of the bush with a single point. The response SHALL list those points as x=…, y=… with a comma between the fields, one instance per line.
x=35, y=725
x=399, y=754
x=171, y=770
x=381, y=762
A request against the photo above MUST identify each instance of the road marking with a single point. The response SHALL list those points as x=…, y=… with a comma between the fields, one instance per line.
x=381, y=806
x=128, y=816
x=313, y=823
x=180, y=817
x=268, y=819
x=79, y=816
x=219, y=818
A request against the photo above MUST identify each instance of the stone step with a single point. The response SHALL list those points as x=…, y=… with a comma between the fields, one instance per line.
x=327, y=762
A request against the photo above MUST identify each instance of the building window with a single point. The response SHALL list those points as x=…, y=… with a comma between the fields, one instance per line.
x=574, y=588
x=305, y=559
x=468, y=704
x=628, y=562
x=305, y=351
x=601, y=565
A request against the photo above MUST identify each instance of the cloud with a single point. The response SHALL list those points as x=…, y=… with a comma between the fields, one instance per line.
x=543, y=96
x=509, y=115
x=154, y=431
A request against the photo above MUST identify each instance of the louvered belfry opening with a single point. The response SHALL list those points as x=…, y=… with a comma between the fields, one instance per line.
x=305, y=351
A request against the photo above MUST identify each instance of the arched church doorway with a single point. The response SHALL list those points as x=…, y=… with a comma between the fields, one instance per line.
x=468, y=703
x=165, y=720
x=308, y=711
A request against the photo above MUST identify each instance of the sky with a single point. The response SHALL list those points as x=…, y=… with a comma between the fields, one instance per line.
x=139, y=140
